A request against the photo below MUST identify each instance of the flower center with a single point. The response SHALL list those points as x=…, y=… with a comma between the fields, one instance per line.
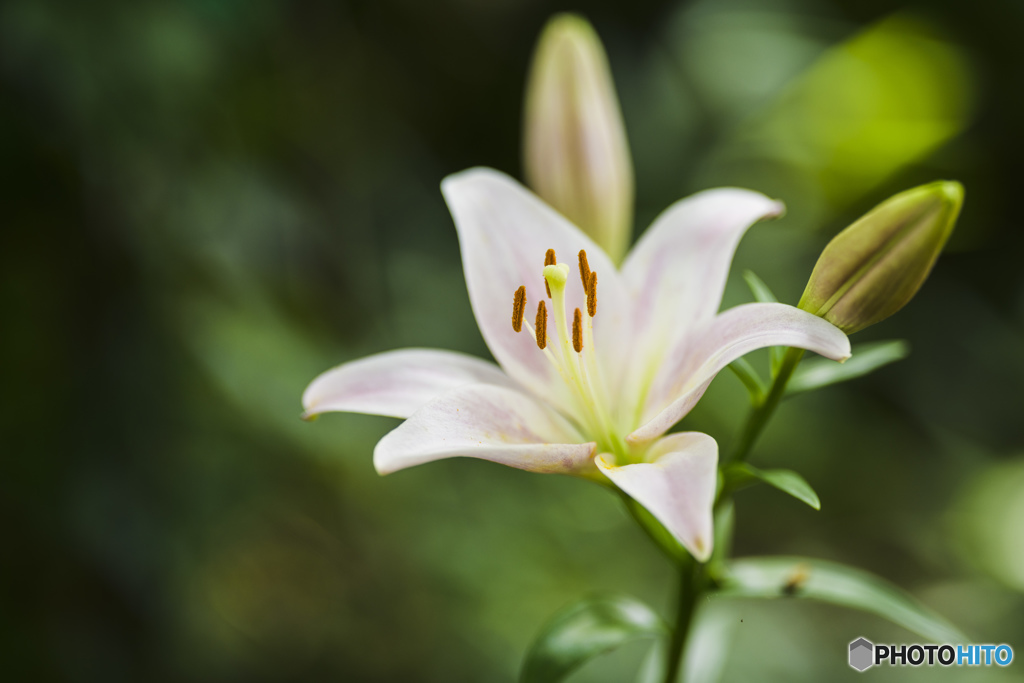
x=572, y=353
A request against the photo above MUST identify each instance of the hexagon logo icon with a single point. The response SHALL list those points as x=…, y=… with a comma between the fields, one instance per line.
x=862, y=653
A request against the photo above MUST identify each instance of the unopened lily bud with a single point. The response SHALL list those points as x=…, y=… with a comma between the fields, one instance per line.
x=576, y=157
x=875, y=266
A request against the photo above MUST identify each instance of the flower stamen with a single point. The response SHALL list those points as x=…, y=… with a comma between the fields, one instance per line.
x=518, y=307
x=584, y=269
x=592, y=294
x=541, y=323
x=549, y=260
x=577, y=331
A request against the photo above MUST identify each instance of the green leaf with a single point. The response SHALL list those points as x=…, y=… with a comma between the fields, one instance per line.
x=709, y=644
x=652, y=669
x=775, y=577
x=742, y=368
x=758, y=288
x=741, y=474
x=820, y=372
x=725, y=522
x=764, y=295
x=585, y=629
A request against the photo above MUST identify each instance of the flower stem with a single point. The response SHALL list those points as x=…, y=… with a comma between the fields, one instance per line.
x=693, y=575
x=762, y=412
x=691, y=583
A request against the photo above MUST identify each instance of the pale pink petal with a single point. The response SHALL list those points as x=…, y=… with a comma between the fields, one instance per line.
x=677, y=485
x=396, y=383
x=690, y=367
x=677, y=270
x=488, y=422
x=676, y=273
x=504, y=232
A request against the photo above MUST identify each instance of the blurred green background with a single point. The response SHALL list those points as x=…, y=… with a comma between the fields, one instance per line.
x=207, y=203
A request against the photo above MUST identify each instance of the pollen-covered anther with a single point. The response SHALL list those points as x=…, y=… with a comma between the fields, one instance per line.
x=577, y=331
x=518, y=307
x=584, y=270
x=541, y=323
x=592, y=294
x=549, y=260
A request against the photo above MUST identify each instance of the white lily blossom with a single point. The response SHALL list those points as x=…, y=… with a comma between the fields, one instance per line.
x=605, y=369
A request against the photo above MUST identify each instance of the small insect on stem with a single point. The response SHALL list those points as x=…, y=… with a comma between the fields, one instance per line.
x=797, y=578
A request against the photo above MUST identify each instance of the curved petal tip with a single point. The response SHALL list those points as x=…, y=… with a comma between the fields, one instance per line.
x=677, y=486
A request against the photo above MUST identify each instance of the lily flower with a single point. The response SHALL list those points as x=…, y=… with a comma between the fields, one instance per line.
x=589, y=382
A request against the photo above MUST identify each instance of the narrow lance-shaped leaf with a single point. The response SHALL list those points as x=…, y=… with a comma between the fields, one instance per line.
x=816, y=373
x=584, y=630
x=707, y=647
x=652, y=669
x=763, y=294
x=739, y=475
x=777, y=577
x=746, y=373
x=725, y=523
x=758, y=288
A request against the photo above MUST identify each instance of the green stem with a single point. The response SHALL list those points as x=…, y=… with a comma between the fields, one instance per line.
x=691, y=583
x=693, y=575
x=763, y=411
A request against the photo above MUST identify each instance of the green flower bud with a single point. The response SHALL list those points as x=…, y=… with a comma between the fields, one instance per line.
x=875, y=266
x=576, y=157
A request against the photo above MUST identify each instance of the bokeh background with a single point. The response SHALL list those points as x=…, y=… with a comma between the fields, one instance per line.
x=205, y=204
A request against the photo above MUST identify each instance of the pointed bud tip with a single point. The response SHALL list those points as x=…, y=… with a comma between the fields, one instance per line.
x=943, y=197
x=949, y=194
x=569, y=25
x=952, y=192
